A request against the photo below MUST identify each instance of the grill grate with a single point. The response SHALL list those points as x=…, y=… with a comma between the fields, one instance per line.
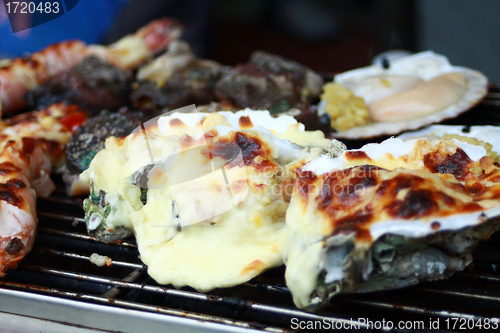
x=59, y=267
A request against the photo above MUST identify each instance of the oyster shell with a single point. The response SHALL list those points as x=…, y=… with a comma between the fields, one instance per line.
x=486, y=133
x=107, y=212
x=404, y=74
x=387, y=216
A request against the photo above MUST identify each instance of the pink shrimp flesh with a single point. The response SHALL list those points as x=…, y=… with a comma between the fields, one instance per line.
x=24, y=74
x=159, y=33
x=30, y=145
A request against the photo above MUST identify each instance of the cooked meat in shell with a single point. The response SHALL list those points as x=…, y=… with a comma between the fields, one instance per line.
x=387, y=215
x=176, y=79
x=93, y=84
x=269, y=82
x=89, y=140
x=413, y=92
x=106, y=216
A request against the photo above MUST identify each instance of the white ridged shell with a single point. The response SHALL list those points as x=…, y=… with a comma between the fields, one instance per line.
x=426, y=65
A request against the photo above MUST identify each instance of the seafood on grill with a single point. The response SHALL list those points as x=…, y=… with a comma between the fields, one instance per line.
x=270, y=82
x=31, y=146
x=114, y=224
x=176, y=79
x=89, y=139
x=21, y=75
x=487, y=136
x=407, y=94
x=388, y=215
x=203, y=194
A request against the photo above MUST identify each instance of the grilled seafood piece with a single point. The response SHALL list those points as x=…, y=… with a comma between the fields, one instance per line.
x=22, y=75
x=207, y=210
x=270, y=82
x=107, y=216
x=94, y=84
x=387, y=216
x=30, y=146
x=89, y=140
x=409, y=93
x=133, y=50
x=176, y=79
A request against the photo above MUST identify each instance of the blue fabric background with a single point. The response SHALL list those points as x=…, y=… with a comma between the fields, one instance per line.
x=89, y=20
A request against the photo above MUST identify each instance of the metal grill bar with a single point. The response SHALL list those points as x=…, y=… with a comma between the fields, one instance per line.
x=462, y=294
x=136, y=306
x=479, y=276
x=415, y=309
x=63, y=217
x=214, y=300
x=71, y=255
x=78, y=236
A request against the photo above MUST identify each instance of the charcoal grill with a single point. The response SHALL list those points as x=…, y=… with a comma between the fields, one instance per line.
x=57, y=283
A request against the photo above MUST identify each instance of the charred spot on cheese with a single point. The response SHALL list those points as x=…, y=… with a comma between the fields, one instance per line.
x=226, y=150
x=245, y=122
x=305, y=181
x=344, y=188
x=470, y=207
x=10, y=192
x=356, y=155
x=249, y=146
x=7, y=168
x=354, y=224
x=416, y=203
x=455, y=164
x=394, y=185
x=445, y=198
x=477, y=189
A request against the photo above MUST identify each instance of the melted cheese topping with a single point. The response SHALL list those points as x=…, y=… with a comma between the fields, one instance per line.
x=284, y=126
x=221, y=252
x=422, y=188
x=214, y=217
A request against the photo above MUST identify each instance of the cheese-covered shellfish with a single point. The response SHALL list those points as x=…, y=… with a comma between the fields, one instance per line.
x=387, y=216
x=407, y=94
x=203, y=194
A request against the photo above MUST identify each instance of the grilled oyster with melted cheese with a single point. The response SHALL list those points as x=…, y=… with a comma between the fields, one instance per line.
x=111, y=171
x=205, y=201
x=210, y=233
x=387, y=216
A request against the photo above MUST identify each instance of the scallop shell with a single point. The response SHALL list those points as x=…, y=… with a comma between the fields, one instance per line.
x=426, y=65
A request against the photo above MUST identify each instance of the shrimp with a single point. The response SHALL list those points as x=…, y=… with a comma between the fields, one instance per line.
x=21, y=75
x=133, y=50
x=31, y=145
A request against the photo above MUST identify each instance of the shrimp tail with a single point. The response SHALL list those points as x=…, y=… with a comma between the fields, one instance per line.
x=159, y=33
